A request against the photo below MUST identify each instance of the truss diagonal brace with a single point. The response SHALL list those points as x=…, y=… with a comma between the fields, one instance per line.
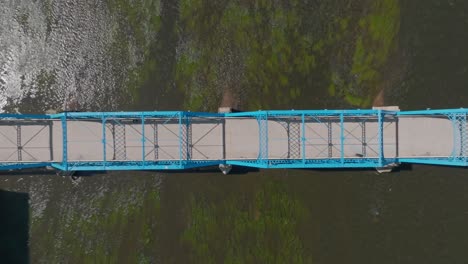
x=262, y=120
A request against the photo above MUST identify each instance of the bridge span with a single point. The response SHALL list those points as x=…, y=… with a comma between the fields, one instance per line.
x=168, y=140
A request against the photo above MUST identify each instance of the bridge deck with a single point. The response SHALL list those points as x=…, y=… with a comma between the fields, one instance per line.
x=283, y=137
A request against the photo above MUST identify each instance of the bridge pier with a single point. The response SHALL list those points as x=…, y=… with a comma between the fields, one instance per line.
x=386, y=169
x=225, y=168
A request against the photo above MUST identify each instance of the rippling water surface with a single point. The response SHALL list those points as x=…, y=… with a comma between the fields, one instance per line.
x=60, y=50
x=188, y=54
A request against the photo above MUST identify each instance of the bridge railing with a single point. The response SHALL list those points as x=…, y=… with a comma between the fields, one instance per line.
x=296, y=122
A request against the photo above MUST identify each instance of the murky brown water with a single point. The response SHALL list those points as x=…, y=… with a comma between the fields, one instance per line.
x=415, y=215
x=410, y=216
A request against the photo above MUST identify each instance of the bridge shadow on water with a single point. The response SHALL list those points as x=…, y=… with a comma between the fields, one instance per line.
x=205, y=170
x=401, y=167
x=14, y=227
x=235, y=170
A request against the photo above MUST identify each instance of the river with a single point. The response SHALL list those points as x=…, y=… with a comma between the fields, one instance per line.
x=109, y=55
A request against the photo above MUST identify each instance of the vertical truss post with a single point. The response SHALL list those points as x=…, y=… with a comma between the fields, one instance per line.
x=330, y=140
x=114, y=140
x=342, y=137
x=453, y=119
x=188, y=137
x=180, y=139
x=456, y=136
x=363, y=139
x=143, y=140
x=51, y=140
x=262, y=120
x=64, y=142
x=18, y=142
x=104, y=142
x=303, y=138
x=380, y=117
x=156, y=146
x=463, y=137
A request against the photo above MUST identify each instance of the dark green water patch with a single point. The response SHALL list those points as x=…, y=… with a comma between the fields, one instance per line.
x=257, y=229
x=360, y=69
x=309, y=216
x=98, y=219
x=434, y=36
x=278, y=54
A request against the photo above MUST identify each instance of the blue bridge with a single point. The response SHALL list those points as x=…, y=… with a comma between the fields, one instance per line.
x=177, y=140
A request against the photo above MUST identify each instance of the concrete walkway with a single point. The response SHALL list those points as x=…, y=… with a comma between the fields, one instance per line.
x=219, y=138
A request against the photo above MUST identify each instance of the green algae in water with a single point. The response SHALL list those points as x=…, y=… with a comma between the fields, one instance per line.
x=124, y=232
x=233, y=231
x=140, y=21
x=255, y=50
x=374, y=44
x=278, y=61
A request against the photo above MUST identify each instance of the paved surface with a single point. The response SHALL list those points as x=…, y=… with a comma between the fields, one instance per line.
x=232, y=138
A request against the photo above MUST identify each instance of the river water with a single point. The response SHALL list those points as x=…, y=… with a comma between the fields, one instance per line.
x=415, y=215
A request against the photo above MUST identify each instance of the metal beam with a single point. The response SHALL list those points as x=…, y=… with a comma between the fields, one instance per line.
x=104, y=141
x=18, y=143
x=363, y=138
x=188, y=137
x=342, y=137
x=433, y=112
x=306, y=112
x=64, y=142
x=24, y=165
x=303, y=138
x=156, y=146
x=310, y=163
x=23, y=116
x=380, y=140
x=143, y=139
x=330, y=138
x=460, y=134
x=262, y=120
x=448, y=161
x=180, y=138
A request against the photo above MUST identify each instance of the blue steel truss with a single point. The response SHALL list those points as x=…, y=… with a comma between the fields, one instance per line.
x=304, y=162
x=294, y=121
x=458, y=118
